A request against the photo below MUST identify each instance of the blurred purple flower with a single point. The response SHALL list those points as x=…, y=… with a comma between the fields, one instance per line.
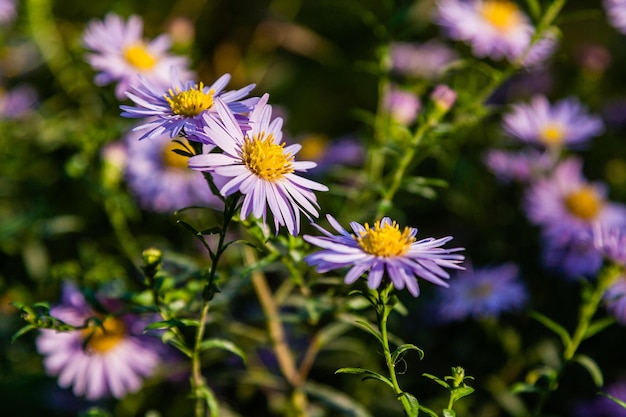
x=328, y=153
x=181, y=107
x=17, y=102
x=571, y=254
x=493, y=28
x=615, y=299
x=120, y=53
x=8, y=11
x=566, y=204
x=610, y=242
x=97, y=362
x=383, y=249
x=160, y=178
x=564, y=124
x=444, y=97
x=616, y=14
x=428, y=60
x=403, y=106
x=482, y=293
x=520, y=166
x=258, y=165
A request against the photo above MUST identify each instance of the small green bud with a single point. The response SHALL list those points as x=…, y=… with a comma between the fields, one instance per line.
x=151, y=257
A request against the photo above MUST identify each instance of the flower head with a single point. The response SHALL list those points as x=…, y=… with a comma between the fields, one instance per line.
x=328, y=153
x=181, y=107
x=403, y=106
x=566, y=204
x=482, y=293
x=17, y=102
x=610, y=242
x=616, y=14
x=384, y=248
x=520, y=166
x=97, y=361
x=564, y=124
x=7, y=11
x=160, y=178
x=259, y=165
x=427, y=60
x=120, y=53
x=494, y=28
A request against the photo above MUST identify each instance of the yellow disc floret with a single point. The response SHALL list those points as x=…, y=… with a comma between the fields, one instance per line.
x=191, y=102
x=137, y=56
x=385, y=240
x=552, y=134
x=584, y=203
x=103, y=338
x=266, y=159
x=172, y=159
x=503, y=15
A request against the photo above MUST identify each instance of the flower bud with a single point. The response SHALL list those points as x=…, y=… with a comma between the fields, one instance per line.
x=443, y=97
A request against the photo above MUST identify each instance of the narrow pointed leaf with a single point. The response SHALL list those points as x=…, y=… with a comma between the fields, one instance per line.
x=414, y=404
x=437, y=380
x=403, y=348
x=368, y=374
x=224, y=345
x=599, y=325
x=370, y=329
x=554, y=326
x=592, y=367
x=21, y=332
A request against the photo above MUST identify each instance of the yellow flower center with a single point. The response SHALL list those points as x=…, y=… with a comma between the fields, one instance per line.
x=101, y=339
x=172, y=159
x=137, y=56
x=191, y=102
x=386, y=240
x=503, y=15
x=266, y=159
x=552, y=134
x=313, y=147
x=584, y=203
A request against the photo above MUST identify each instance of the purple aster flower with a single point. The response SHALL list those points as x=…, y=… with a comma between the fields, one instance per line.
x=7, y=11
x=482, y=293
x=616, y=14
x=428, y=60
x=493, y=28
x=97, y=362
x=327, y=153
x=181, y=107
x=17, y=102
x=610, y=242
x=257, y=164
x=520, y=166
x=384, y=248
x=615, y=299
x=566, y=123
x=160, y=178
x=120, y=53
x=566, y=204
x=541, y=50
x=571, y=254
x=403, y=106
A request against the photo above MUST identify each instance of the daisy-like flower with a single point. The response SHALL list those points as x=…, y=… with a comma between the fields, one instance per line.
x=384, y=249
x=482, y=293
x=520, y=166
x=610, y=242
x=428, y=60
x=616, y=14
x=328, y=153
x=494, y=28
x=571, y=253
x=259, y=165
x=97, y=361
x=566, y=204
x=160, y=178
x=120, y=53
x=564, y=124
x=17, y=102
x=615, y=299
x=181, y=107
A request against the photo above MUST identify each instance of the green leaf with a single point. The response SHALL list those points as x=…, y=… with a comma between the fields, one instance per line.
x=368, y=374
x=21, y=332
x=211, y=231
x=598, y=325
x=370, y=329
x=437, y=380
x=592, y=367
x=523, y=387
x=413, y=403
x=460, y=392
x=224, y=345
x=168, y=324
x=403, y=348
x=170, y=338
x=612, y=398
x=428, y=411
x=554, y=326
x=448, y=413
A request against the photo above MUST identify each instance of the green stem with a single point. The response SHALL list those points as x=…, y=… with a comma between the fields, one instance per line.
x=383, y=309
